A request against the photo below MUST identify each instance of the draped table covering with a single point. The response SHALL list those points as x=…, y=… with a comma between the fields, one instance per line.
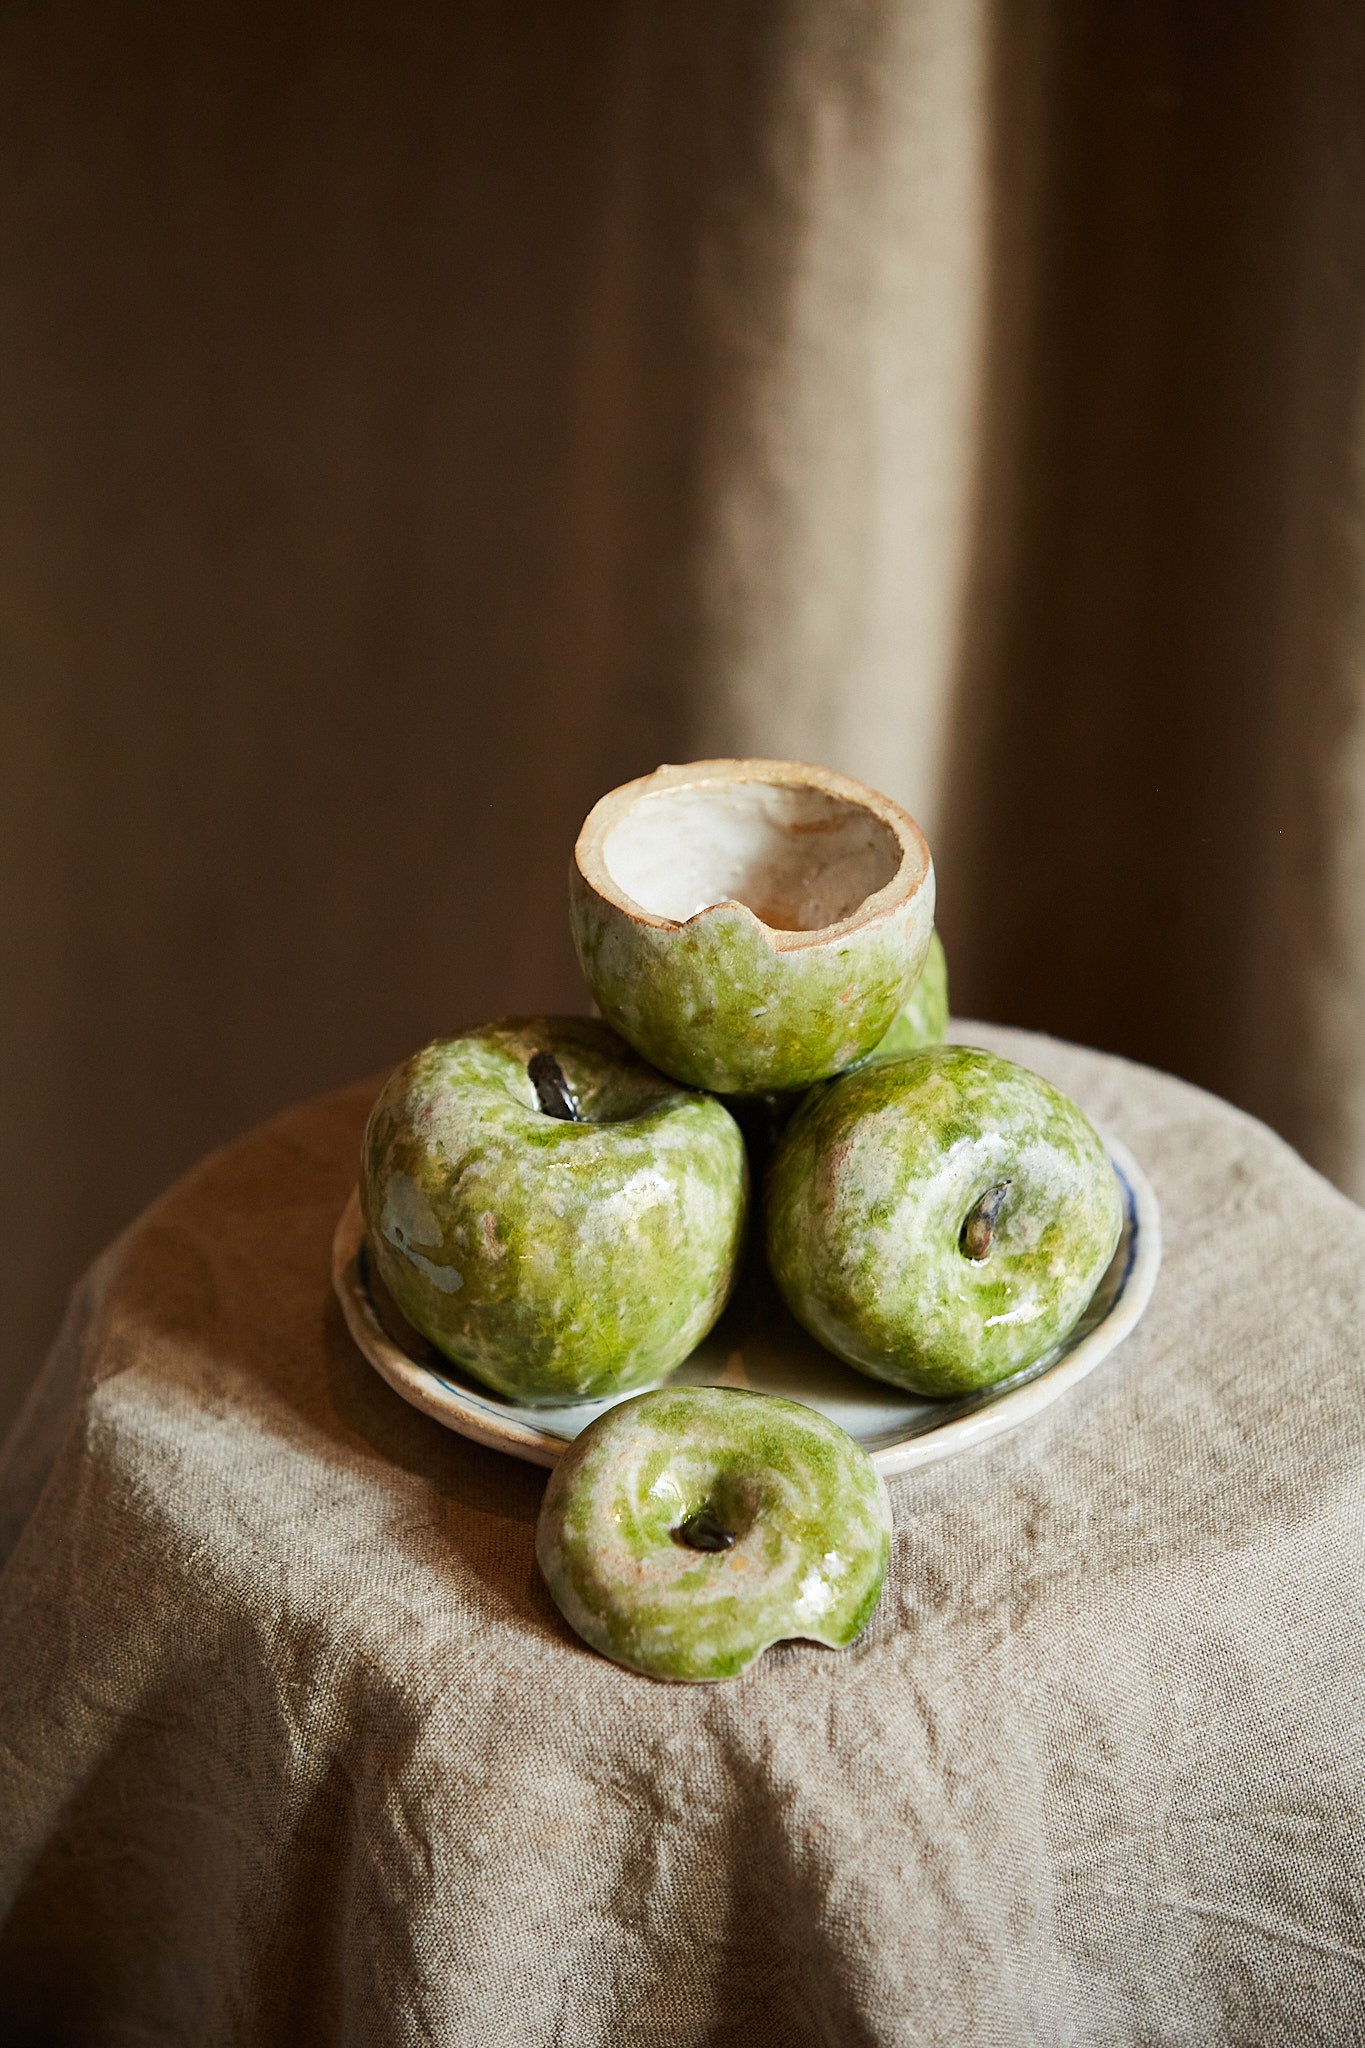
x=294, y=1746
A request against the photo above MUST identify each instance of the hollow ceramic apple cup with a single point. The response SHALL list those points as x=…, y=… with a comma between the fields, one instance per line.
x=550, y=1212
x=750, y=926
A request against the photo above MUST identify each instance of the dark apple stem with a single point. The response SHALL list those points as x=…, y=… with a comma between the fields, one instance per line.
x=978, y=1229
x=704, y=1532
x=553, y=1092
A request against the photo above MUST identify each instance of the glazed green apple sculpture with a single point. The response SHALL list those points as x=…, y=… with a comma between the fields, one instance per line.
x=686, y=1530
x=750, y=927
x=940, y=1220
x=923, y=1017
x=550, y=1212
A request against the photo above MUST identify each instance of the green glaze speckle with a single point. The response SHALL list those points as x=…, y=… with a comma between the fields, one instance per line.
x=714, y=1003
x=557, y=1261
x=923, y=1017
x=867, y=1196
x=808, y=1511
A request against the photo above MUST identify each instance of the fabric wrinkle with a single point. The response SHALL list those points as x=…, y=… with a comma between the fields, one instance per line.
x=294, y=1745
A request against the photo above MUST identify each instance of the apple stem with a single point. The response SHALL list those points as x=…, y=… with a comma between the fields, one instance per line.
x=553, y=1093
x=978, y=1229
x=703, y=1532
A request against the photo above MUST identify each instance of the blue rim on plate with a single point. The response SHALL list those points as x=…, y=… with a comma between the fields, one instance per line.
x=757, y=1344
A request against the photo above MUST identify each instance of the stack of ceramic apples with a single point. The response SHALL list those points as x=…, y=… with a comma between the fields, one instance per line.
x=560, y=1204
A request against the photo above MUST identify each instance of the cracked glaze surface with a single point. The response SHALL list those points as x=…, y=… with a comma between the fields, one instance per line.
x=712, y=1003
x=923, y=1017
x=866, y=1200
x=556, y=1260
x=810, y=1517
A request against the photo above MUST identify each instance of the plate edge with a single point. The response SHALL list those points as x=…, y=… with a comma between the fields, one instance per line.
x=411, y=1381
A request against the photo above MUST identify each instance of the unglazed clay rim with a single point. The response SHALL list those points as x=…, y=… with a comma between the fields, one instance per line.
x=966, y=1424
x=609, y=810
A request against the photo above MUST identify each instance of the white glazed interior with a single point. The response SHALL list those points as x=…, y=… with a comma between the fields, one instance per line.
x=799, y=858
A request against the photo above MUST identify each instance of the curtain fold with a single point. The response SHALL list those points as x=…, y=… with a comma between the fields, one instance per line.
x=779, y=376
x=1153, y=834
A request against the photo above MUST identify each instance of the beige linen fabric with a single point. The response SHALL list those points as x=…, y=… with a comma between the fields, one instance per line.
x=294, y=1746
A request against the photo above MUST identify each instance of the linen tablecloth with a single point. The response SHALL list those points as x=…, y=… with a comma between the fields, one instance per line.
x=294, y=1746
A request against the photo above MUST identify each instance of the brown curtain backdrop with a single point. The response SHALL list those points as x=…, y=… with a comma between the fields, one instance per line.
x=415, y=418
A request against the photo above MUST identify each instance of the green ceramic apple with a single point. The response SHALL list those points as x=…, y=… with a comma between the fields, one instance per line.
x=923, y=1017
x=550, y=1212
x=940, y=1220
x=750, y=926
x=687, y=1530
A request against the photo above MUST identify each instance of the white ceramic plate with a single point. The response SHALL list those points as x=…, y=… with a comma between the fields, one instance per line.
x=757, y=1344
